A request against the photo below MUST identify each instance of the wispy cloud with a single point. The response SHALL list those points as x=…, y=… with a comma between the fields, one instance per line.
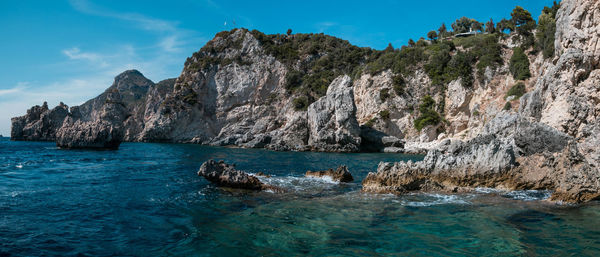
x=144, y=22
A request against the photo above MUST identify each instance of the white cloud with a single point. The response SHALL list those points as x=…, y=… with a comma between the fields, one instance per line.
x=94, y=69
x=144, y=22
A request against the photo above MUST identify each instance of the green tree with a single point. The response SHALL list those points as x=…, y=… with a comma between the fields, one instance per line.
x=504, y=25
x=546, y=30
x=432, y=35
x=442, y=30
x=519, y=64
x=463, y=25
x=389, y=48
x=477, y=26
x=289, y=32
x=411, y=42
x=489, y=27
x=428, y=115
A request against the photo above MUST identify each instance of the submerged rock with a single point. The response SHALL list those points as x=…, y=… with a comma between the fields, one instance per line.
x=225, y=175
x=341, y=174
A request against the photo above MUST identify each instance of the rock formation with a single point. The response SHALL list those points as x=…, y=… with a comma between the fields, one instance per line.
x=341, y=174
x=332, y=119
x=225, y=175
x=312, y=92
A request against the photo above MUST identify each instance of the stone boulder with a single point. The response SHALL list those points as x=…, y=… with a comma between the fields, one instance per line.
x=341, y=174
x=332, y=119
x=89, y=134
x=225, y=175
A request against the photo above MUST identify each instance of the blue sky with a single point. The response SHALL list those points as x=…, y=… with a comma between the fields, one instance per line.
x=70, y=51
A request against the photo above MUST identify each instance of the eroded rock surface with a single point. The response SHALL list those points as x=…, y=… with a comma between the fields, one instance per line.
x=341, y=174
x=225, y=175
x=332, y=119
x=519, y=154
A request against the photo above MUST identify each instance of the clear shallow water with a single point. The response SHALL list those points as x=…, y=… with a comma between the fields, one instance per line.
x=146, y=200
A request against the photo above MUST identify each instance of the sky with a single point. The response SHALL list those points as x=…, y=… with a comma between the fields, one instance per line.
x=70, y=51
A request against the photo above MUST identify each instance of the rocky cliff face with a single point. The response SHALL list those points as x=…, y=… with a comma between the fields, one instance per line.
x=550, y=143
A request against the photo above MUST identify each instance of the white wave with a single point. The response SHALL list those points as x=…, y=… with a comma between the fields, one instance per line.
x=19, y=166
x=529, y=195
x=437, y=199
x=488, y=190
x=299, y=184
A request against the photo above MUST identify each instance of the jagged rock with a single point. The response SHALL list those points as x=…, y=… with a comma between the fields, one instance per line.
x=518, y=155
x=341, y=174
x=373, y=140
x=89, y=134
x=225, y=175
x=39, y=124
x=332, y=119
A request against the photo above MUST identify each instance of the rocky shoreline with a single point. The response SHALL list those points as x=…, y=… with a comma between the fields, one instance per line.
x=236, y=91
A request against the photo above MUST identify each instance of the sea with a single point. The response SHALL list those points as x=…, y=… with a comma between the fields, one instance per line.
x=146, y=199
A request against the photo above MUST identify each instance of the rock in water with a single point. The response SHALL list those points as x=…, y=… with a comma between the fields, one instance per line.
x=519, y=155
x=90, y=135
x=39, y=124
x=332, y=119
x=225, y=175
x=341, y=174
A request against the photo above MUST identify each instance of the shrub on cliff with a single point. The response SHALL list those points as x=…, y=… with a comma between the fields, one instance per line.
x=519, y=64
x=428, y=115
x=398, y=84
x=546, y=30
x=301, y=103
x=385, y=114
x=517, y=90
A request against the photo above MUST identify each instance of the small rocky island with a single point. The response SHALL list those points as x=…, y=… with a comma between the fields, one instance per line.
x=514, y=110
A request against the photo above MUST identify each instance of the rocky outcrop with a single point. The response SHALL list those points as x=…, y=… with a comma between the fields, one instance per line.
x=373, y=140
x=567, y=91
x=225, y=175
x=341, y=174
x=332, y=119
x=516, y=154
x=89, y=135
x=39, y=124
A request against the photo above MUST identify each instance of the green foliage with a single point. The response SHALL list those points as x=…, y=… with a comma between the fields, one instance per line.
x=314, y=60
x=524, y=25
x=460, y=66
x=403, y=61
x=505, y=25
x=384, y=94
x=490, y=27
x=288, y=32
x=519, y=64
x=436, y=66
x=463, y=25
x=485, y=48
x=442, y=31
x=432, y=35
x=428, y=115
x=301, y=103
x=517, y=90
x=371, y=122
x=398, y=84
x=546, y=30
x=385, y=114
x=507, y=106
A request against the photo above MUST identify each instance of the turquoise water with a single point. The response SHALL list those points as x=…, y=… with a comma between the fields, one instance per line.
x=146, y=200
